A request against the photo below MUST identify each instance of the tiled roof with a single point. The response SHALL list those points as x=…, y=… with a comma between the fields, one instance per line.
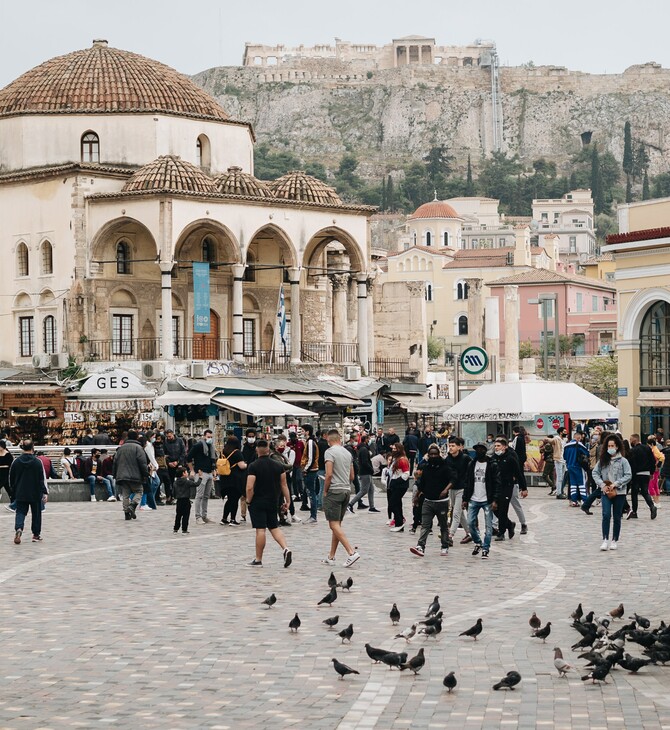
x=301, y=187
x=479, y=258
x=445, y=251
x=170, y=173
x=434, y=209
x=592, y=260
x=36, y=173
x=546, y=276
x=101, y=79
x=647, y=234
x=236, y=182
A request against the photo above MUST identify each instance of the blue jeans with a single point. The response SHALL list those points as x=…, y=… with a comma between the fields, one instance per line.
x=310, y=481
x=612, y=506
x=473, y=513
x=321, y=474
x=107, y=484
x=560, y=472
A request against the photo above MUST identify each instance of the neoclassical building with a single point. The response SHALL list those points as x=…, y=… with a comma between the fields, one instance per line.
x=117, y=174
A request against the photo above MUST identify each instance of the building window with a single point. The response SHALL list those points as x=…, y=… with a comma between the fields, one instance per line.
x=26, y=336
x=579, y=304
x=462, y=290
x=462, y=325
x=475, y=243
x=47, y=258
x=573, y=244
x=122, y=334
x=90, y=147
x=49, y=332
x=202, y=152
x=445, y=238
x=594, y=304
x=22, y=268
x=429, y=292
x=208, y=250
x=655, y=347
x=414, y=238
x=122, y=258
x=249, y=336
x=429, y=238
x=501, y=242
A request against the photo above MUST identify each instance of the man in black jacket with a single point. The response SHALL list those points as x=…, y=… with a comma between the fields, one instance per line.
x=175, y=453
x=643, y=465
x=411, y=444
x=201, y=459
x=482, y=488
x=130, y=470
x=29, y=484
x=365, y=472
x=458, y=461
x=436, y=480
x=511, y=473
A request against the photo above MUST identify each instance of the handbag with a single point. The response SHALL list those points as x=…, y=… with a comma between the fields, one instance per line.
x=609, y=490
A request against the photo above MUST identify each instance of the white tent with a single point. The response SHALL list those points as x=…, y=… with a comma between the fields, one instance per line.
x=525, y=399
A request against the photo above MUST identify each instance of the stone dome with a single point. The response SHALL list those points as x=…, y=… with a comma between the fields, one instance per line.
x=300, y=186
x=170, y=173
x=434, y=209
x=236, y=182
x=106, y=80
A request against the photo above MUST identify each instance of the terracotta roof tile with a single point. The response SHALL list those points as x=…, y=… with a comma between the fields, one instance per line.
x=170, y=173
x=434, y=209
x=478, y=258
x=236, y=182
x=300, y=186
x=547, y=276
x=648, y=234
x=445, y=251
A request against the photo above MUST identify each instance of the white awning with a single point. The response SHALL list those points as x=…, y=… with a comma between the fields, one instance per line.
x=344, y=401
x=422, y=403
x=258, y=406
x=182, y=398
x=300, y=397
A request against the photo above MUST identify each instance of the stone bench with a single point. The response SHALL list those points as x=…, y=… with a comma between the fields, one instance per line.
x=73, y=490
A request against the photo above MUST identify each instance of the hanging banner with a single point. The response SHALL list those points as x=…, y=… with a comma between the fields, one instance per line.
x=201, y=298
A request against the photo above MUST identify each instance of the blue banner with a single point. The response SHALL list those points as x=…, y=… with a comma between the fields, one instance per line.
x=201, y=298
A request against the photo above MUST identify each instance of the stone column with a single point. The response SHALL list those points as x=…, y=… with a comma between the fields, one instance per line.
x=296, y=334
x=166, y=310
x=511, y=333
x=339, y=284
x=492, y=334
x=238, y=333
x=475, y=312
x=363, y=346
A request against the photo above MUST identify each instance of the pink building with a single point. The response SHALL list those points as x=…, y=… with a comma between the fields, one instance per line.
x=586, y=309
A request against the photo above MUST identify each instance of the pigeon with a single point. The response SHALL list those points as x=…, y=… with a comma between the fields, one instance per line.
x=342, y=669
x=598, y=673
x=332, y=621
x=641, y=621
x=393, y=659
x=534, y=622
x=509, y=681
x=658, y=656
x=346, y=584
x=643, y=638
x=473, y=631
x=347, y=633
x=632, y=664
x=394, y=614
x=433, y=630
x=561, y=665
x=584, y=642
x=270, y=600
x=415, y=663
x=450, y=681
x=294, y=623
x=375, y=654
x=332, y=581
x=617, y=612
x=407, y=634
x=329, y=598
x=434, y=607
x=577, y=613
x=584, y=629
x=437, y=618
x=588, y=618
x=621, y=633
x=543, y=632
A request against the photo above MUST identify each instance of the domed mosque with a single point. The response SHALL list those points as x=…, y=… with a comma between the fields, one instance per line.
x=119, y=178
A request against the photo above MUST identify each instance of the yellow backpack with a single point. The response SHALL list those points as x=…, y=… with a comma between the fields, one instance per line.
x=223, y=467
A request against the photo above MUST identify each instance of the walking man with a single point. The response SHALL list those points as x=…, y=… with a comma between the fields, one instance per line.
x=130, y=470
x=266, y=479
x=336, y=493
x=29, y=484
x=458, y=461
x=511, y=473
x=559, y=462
x=201, y=459
x=310, y=468
x=482, y=488
x=642, y=464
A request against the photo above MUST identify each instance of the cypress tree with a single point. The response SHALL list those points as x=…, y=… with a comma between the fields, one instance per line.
x=390, y=196
x=629, y=190
x=597, y=192
x=384, y=203
x=627, y=150
x=646, y=194
x=469, y=184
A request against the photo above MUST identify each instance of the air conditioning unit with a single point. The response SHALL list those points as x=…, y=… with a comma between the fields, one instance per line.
x=59, y=360
x=197, y=370
x=42, y=361
x=352, y=372
x=152, y=370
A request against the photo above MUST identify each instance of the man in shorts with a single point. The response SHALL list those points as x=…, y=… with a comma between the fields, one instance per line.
x=266, y=479
x=336, y=495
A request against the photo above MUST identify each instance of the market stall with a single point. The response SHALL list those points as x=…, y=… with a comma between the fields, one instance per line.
x=29, y=411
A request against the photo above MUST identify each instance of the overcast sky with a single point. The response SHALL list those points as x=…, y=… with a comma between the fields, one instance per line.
x=193, y=35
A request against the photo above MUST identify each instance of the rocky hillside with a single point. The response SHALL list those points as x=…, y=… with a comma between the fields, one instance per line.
x=392, y=117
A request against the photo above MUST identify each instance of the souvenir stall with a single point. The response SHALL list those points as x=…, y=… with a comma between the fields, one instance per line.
x=28, y=411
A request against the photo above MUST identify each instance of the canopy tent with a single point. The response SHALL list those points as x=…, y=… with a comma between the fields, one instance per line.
x=182, y=398
x=525, y=399
x=259, y=406
x=420, y=403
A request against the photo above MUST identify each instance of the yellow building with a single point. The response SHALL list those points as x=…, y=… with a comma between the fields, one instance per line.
x=599, y=267
x=641, y=254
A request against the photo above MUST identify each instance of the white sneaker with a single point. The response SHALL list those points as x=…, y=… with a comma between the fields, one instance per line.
x=146, y=508
x=613, y=545
x=328, y=561
x=111, y=499
x=295, y=519
x=93, y=499
x=351, y=560
x=605, y=545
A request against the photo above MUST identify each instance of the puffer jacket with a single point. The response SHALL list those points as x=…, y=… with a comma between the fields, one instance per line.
x=618, y=472
x=130, y=463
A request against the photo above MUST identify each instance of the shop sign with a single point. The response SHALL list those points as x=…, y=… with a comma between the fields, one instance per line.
x=116, y=383
x=474, y=360
x=74, y=417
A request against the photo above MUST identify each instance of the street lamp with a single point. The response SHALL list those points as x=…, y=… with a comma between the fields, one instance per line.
x=544, y=299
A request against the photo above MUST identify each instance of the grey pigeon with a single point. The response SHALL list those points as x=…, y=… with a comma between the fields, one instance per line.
x=434, y=607
x=407, y=634
x=329, y=598
x=561, y=665
x=577, y=613
x=544, y=632
x=437, y=618
x=394, y=659
x=294, y=623
x=415, y=663
x=270, y=600
x=450, y=681
x=534, y=622
x=375, y=654
x=394, y=614
x=332, y=581
x=473, y=631
x=346, y=584
x=641, y=621
x=342, y=669
x=632, y=664
x=598, y=673
x=433, y=630
x=332, y=621
x=509, y=681
x=347, y=633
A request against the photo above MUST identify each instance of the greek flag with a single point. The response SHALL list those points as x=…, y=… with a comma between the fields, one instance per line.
x=281, y=316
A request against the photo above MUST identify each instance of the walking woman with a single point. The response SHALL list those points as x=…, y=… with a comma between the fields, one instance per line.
x=612, y=474
x=233, y=483
x=397, y=486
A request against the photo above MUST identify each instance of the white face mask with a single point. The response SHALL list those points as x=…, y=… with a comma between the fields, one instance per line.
x=611, y=450
x=498, y=450
x=251, y=439
x=209, y=440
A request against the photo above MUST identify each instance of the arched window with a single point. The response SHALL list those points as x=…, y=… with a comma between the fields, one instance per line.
x=47, y=258
x=655, y=347
x=445, y=238
x=22, y=267
x=122, y=258
x=49, y=332
x=429, y=292
x=462, y=290
x=90, y=147
x=429, y=238
x=414, y=238
x=250, y=271
x=208, y=250
x=203, y=152
x=463, y=325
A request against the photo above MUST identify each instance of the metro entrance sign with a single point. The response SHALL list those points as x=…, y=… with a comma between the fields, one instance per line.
x=474, y=360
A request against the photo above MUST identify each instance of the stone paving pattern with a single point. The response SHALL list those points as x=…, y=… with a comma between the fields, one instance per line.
x=115, y=624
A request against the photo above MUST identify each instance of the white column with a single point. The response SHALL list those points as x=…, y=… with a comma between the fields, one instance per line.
x=296, y=334
x=238, y=334
x=511, y=333
x=166, y=310
x=363, y=350
x=492, y=333
x=340, y=282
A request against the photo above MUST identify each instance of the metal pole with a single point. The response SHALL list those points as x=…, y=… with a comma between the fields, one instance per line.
x=546, y=340
x=457, y=389
x=558, y=340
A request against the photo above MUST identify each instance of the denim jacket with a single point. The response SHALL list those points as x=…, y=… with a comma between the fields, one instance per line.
x=618, y=472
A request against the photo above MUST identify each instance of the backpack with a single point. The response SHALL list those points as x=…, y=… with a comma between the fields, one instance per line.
x=305, y=457
x=223, y=466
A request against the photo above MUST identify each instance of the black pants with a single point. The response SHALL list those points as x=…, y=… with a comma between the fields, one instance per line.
x=397, y=489
x=501, y=513
x=35, y=516
x=183, y=513
x=164, y=476
x=417, y=512
x=640, y=485
x=231, y=494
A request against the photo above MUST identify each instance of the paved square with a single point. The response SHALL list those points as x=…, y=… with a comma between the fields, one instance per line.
x=116, y=624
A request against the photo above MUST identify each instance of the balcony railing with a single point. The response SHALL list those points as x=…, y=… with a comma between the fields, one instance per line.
x=267, y=361
x=342, y=353
x=149, y=348
x=384, y=367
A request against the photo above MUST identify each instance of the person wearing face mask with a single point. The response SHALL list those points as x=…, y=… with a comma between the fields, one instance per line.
x=458, y=461
x=511, y=473
x=482, y=490
x=201, y=459
x=248, y=456
x=612, y=471
x=436, y=480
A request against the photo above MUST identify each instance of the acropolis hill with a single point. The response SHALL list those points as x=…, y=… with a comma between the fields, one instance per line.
x=389, y=104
